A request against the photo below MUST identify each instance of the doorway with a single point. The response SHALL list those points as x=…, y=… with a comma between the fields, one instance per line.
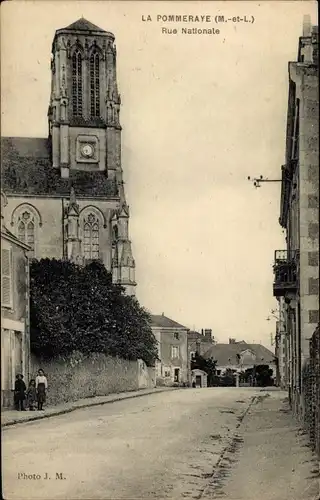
x=176, y=375
x=198, y=381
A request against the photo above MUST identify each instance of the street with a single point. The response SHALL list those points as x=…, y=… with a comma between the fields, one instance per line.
x=158, y=446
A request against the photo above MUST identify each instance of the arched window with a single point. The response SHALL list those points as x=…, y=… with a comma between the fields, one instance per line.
x=94, y=85
x=77, y=83
x=91, y=227
x=26, y=229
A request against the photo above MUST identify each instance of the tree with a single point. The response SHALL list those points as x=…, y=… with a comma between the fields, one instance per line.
x=79, y=308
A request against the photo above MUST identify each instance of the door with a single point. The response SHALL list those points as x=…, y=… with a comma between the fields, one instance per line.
x=18, y=352
x=198, y=381
x=176, y=375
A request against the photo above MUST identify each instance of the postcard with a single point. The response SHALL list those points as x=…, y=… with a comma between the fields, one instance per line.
x=160, y=250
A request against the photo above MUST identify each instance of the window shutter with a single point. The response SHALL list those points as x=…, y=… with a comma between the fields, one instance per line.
x=6, y=277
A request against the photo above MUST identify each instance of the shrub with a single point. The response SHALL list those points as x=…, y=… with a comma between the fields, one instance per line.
x=79, y=308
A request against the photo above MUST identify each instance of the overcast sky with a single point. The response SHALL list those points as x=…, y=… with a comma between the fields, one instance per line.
x=200, y=113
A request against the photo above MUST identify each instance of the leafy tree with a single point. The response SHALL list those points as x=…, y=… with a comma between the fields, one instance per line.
x=264, y=375
x=260, y=375
x=79, y=308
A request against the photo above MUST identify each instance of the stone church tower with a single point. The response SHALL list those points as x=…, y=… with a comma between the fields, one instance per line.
x=65, y=193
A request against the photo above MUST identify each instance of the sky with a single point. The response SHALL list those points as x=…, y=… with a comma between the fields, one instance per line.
x=200, y=113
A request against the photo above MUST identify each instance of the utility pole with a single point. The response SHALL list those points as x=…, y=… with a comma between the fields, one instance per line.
x=258, y=180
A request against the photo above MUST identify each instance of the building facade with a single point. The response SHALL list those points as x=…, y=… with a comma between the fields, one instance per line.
x=199, y=342
x=296, y=268
x=281, y=346
x=173, y=366
x=65, y=192
x=15, y=334
x=239, y=356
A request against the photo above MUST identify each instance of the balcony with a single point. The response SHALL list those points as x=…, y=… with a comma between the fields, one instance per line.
x=285, y=273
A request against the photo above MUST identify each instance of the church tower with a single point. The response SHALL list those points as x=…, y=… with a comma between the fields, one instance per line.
x=85, y=133
x=66, y=196
x=84, y=126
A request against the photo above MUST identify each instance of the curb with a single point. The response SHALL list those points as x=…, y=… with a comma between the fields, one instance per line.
x=214, y=477
x=86, y=405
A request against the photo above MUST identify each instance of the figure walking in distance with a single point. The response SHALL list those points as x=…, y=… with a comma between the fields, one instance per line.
x=41, y=386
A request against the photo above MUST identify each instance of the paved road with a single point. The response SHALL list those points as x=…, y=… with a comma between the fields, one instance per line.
x=189, y=443
x=159, y=446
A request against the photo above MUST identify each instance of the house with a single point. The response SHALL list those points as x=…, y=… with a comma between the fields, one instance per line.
x=65, y=190
x=240, y=356
x=199, y=342
x=296, y=267
x=15, y=339
x=172, y=338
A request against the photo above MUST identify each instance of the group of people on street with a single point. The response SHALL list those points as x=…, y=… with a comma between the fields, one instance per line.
x=32, y=398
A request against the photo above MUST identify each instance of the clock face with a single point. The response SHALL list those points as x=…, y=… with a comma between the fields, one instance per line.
x=87, y=150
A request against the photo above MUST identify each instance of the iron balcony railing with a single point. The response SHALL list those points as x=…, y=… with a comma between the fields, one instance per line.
x=285, y=272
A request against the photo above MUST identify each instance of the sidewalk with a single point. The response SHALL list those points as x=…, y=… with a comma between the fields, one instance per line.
x=12, y=417
x=270, y=458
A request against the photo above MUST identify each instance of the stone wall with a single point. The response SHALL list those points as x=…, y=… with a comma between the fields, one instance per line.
x=146, y=375
x=77, y=376
x=311, y=392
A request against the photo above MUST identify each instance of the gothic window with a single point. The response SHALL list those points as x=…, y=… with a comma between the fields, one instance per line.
x=26, y=229
x=91, y=228
x=94, y=85
x=77, y=83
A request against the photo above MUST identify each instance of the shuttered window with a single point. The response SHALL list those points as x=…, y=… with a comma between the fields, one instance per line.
x=6, y=277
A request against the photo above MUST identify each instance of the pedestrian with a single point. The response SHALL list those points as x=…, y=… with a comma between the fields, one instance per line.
x=32, y=395
x=19, y=393
x=41, y=386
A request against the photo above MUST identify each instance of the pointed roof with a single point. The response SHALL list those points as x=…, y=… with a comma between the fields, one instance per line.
x=226, y=354
x=5, y=233
x=126, y=257
x=83, y=25
x=160, y=320
x=124, y=211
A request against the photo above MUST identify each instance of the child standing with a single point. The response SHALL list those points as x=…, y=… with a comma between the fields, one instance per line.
x=19, y=393
x=32, y=395
x=41, y=386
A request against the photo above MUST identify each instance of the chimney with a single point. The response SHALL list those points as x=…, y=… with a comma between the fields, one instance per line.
x=201, y=331
x=232, y=341
x=306, y=31
x=208, y=334
x=198, y=345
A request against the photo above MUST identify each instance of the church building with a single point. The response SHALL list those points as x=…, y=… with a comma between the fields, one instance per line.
x=65, y=193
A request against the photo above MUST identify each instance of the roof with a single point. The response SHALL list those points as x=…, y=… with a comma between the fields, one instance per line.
x=27, y=169
x=193, y=335
x=8, y=235
x=84, y=25
x=160, y=320
x=226, y=354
